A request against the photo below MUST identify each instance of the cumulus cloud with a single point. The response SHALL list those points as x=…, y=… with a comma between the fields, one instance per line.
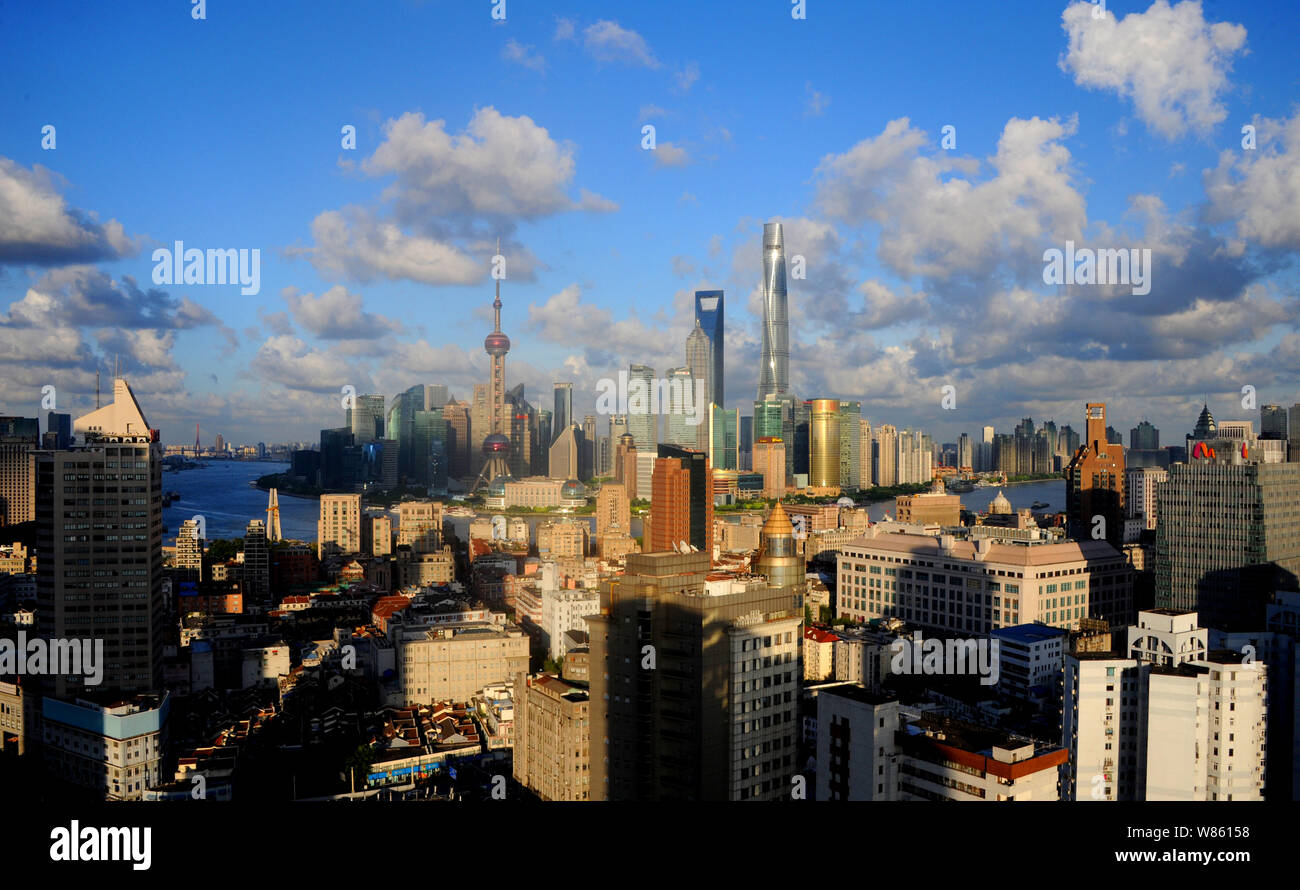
x=1258, y=190
x=354, y=244
x=449, y=196
x=38, y=227
x=937, y=217
x=1169, y=61
x=337, y=315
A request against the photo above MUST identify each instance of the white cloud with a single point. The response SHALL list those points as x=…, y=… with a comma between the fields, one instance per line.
x=1259, y=190
x=937, y=218
x=523, y=54
x=1169, y=61
x=37, y=226
x=609, y=43
x=668, y=154
x=337, y=315
x=352, y=244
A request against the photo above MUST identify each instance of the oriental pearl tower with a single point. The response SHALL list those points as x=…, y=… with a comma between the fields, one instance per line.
x=496, y=446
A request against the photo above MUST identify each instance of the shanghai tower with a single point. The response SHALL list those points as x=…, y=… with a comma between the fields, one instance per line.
x=774, y=375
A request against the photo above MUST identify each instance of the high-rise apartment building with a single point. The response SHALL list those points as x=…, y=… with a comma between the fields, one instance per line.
x=866, y=461
x=885, y=455
x=99, y=535
x=257, y=565
x=694, y=683
x=625, y=465
x=613, y=510
x=338, y=530
x=1140, y=493
x=1168, y=719
x=189, y=548
x=1094, y=484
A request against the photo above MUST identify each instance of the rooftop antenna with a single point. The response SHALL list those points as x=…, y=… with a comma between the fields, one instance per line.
x=97, y=389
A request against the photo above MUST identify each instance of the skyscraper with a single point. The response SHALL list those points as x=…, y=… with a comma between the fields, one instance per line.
x=338, y=530
x=642, y=423
x=824, y=447
x=1226, y=537
x=709, y=316
x=699, y=364
x=1272, y=422
x=722, y=450
x=19, y=436
x=564, y=454
x=257, y=565
x=61, y=426
x=1094, y=484
x=496, y=445
x=850, y=445
x=774, y=372
x=104, y=582
x=1144, y=437
x=717, y=717
x=562, y=416
x=681, y=501
x=366, y=418
x=680, y=410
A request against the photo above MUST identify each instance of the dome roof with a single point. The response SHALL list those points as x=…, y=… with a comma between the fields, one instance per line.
x=496, y=444
x=1000, y=504
x=845, y=502
x=498, y=486
x=572, y=488
x=496, y=343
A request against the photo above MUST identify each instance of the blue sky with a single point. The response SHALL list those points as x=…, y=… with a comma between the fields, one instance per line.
x=924, y=264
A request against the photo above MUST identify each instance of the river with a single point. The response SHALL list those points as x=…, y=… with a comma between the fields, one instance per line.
x=224, y=494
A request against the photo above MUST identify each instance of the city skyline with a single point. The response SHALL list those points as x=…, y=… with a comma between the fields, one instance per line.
x=922, y=247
